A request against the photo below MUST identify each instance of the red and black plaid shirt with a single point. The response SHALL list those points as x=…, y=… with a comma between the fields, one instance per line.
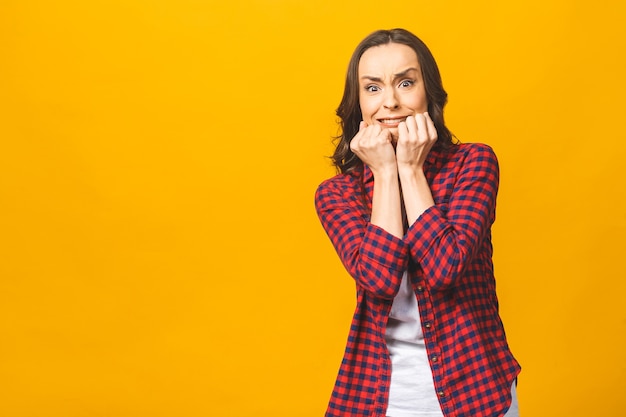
x=447, y=253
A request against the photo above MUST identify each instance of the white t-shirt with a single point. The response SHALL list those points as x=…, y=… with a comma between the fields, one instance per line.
x=412, y=390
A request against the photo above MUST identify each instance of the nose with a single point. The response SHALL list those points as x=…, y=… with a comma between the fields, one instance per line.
x=390, y=100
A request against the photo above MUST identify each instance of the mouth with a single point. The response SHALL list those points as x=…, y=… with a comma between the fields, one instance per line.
x=391, y=122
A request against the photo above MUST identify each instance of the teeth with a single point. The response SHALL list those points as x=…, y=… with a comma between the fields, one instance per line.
x=392, y=121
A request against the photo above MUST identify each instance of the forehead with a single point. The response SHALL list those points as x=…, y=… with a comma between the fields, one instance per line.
x=390, y=58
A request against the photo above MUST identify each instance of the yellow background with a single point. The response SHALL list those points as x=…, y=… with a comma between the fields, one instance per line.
x=159, y=251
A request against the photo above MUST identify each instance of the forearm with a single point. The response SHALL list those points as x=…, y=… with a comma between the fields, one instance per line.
x=446, y=237
x=374, y=257
x=416, y=194
x=386, y=203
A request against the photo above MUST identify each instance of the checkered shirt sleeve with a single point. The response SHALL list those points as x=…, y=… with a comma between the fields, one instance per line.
x=445, y=238
x=375, y=258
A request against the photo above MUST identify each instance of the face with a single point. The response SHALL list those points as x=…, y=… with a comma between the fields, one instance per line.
x=390, y=85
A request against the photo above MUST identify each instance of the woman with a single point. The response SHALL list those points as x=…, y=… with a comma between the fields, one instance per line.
x=410, y=216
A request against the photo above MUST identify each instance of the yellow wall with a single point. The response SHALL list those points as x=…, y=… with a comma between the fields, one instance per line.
x=159, y=251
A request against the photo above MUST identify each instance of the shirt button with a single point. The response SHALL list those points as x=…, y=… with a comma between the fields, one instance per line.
x=434, y=358
x=420, y=288
x=428, y=325
x=441, y=393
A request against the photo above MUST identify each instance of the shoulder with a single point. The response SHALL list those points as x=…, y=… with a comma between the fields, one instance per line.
x=476, y=155
x=458, y=157
x=337, y=182
x=477, y=150
x=340, y=187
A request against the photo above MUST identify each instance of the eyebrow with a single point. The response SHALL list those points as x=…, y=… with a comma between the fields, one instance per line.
x=395, y=76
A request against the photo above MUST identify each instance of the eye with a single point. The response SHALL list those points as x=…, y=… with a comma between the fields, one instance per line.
x=407, y=83
x=371, y=88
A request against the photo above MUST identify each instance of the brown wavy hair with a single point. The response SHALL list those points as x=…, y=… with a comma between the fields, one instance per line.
x=349, y=110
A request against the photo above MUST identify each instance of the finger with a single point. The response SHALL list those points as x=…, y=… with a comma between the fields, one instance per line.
x=386, y=135
x=372, y=135
x=430, y=125
x=375, y=130
x=356, y=140
x=422, y=128
x=403, y=131
x=363, y=139
x=411, y=127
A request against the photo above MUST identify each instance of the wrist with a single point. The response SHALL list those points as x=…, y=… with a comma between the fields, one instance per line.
x=410, y=171
x=389, y=172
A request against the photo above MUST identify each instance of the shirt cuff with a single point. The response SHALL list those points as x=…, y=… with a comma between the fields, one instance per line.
x=425, y=231
x=384, y=248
